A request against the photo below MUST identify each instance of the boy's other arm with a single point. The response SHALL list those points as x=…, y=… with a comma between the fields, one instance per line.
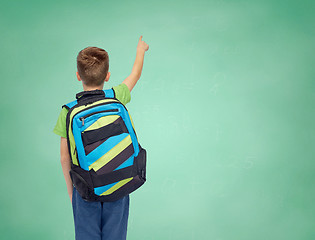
x=132, y=79
x=66, y=164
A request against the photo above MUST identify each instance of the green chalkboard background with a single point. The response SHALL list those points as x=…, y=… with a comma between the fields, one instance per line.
x=224, y=107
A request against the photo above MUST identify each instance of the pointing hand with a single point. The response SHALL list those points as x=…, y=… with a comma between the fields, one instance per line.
x=142, y=45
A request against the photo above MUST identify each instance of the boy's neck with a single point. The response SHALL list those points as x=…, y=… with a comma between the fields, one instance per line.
x=89, y=88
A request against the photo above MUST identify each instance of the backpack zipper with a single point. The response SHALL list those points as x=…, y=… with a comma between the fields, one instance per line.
x=86, y=116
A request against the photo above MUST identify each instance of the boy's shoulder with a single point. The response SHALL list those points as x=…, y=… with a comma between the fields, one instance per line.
x=120, y=92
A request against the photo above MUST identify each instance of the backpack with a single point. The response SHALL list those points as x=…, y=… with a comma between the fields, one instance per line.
x=107, y=162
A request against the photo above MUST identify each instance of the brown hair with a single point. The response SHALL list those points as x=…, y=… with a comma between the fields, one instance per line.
x=93, y=64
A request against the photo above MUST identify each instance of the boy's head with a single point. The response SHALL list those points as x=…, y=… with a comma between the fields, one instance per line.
x=92, y=65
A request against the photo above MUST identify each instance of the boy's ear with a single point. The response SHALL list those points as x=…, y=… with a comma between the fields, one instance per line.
x=107, y=77
x=78, y=76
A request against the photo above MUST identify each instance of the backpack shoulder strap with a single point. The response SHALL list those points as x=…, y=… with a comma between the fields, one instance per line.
x=109, y=93
x=70, y=104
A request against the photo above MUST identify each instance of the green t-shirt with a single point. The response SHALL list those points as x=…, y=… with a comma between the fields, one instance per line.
x=122, y=93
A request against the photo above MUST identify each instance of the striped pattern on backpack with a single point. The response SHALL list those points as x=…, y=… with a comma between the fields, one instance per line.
x=107, y=160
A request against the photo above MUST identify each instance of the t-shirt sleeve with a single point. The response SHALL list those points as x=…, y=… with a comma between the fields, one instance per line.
x=60, y=128
x=122, y=93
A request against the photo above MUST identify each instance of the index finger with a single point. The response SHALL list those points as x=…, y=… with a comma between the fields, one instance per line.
x=140, y=39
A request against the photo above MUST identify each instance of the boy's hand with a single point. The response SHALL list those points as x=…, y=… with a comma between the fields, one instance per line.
x=142, y=46
x=132, y=79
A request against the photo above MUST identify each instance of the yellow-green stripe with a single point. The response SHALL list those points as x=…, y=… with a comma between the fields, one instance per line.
x=101, y=122
x=117, y=186
x=111, y=154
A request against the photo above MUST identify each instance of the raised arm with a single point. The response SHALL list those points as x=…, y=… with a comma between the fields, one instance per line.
x=132, y=79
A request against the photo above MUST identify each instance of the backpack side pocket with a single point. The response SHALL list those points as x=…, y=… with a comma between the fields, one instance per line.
x=141, y=161
x=83, y=183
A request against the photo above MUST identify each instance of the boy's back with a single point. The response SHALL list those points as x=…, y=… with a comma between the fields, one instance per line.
x=97, y=220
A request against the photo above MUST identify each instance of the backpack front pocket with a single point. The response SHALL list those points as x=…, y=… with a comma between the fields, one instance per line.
x=101, y=130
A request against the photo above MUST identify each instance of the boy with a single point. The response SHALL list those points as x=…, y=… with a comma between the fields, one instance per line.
x=98, y=220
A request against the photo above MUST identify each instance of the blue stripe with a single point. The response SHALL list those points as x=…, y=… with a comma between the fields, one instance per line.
x=99, y=190
x=71, y=104
x=109, y=93
x=104, y=148
x=127, y=163
x=133, y=136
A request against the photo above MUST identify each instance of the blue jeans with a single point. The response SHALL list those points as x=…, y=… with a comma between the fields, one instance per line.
x=100, y=221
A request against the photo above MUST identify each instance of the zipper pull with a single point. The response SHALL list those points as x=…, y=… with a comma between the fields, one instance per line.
x=82, y=119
